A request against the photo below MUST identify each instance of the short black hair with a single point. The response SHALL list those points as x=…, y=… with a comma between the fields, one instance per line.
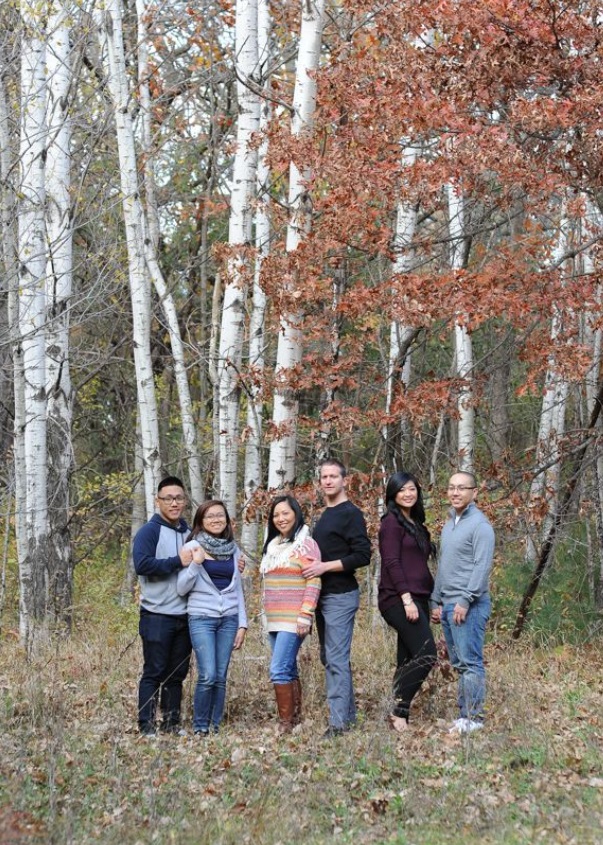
x=469, y=474
x=169, y=481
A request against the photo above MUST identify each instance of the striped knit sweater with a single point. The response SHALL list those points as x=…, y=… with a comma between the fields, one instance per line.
x=288, y=596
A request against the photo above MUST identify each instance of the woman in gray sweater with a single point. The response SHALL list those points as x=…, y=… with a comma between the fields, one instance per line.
x=216, y=609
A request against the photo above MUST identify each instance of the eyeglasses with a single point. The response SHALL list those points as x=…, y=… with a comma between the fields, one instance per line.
x=178, y=500
x=215, y=517
x=459, y=488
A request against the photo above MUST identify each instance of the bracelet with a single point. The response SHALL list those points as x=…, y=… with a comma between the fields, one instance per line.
x=407, y=603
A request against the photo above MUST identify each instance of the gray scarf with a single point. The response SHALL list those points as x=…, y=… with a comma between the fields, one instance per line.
x=216, y=547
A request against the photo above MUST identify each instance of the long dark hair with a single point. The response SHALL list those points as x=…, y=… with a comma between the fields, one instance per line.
x=226, y=534
x=417, y=527
x=299, y=519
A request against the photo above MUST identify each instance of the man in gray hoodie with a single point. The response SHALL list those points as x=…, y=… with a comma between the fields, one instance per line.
x=159, y=556
x=461, y=597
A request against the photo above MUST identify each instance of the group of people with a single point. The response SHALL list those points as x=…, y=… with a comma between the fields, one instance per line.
x=192, y=599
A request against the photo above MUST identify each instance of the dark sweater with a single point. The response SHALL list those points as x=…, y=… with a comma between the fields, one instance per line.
x=341, y=535
x=403, y=564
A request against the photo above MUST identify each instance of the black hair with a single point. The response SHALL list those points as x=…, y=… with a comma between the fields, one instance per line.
x=469, y=474
x=335, y=463
x=416, y=524
x=299, y=519
x=169, y=481
x=226, y=534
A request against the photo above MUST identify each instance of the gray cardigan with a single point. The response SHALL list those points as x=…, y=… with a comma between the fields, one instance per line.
x=466, y=553
x=204, y=598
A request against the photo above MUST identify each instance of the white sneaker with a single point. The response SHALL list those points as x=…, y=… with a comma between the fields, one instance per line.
x=471, y=726
x=459, y=726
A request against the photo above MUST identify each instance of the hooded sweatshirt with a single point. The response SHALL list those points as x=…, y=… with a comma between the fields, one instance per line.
x=157, y=564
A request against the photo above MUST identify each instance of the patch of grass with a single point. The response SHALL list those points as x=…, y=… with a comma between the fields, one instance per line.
x=72, y=763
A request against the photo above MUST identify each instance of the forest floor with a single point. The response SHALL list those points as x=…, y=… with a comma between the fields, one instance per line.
x=73, y=769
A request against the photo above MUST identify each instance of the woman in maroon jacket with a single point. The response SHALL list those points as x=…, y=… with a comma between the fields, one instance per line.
x=404, y=589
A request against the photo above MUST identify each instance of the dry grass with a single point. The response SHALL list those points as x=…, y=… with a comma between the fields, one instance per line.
x=73, y=768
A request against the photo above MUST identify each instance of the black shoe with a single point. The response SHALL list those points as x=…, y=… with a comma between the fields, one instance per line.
x=202, y=734
x=148, y=730
x=332, y=731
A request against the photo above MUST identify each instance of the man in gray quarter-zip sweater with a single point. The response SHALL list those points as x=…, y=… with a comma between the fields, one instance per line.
x=461, y=596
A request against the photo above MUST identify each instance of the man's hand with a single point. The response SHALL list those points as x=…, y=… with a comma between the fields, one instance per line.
x=313, y=568
x=436, y=615
x=242, y=564
x=186, y=556
x=459, y=614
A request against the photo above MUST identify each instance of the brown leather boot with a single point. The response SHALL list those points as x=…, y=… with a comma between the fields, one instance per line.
x=286, y=706
x=297, y=702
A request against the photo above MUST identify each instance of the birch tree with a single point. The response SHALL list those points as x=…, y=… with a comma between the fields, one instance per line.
x=109, y=23
x=462, y=339
x=9, y=190
x=239, y=240
x=544, y=490
x=398, y=370
x=281, y=467
x=59, y=274
x=253, y=442
x=32, y=320
x=189, y=434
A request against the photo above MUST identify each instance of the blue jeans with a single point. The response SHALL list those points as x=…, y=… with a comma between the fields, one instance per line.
x=213, y=640
x=166, y=649
x=283, y=666
x=465, y=644
x=335, y=625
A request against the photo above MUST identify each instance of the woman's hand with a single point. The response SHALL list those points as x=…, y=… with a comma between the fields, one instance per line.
x=239, y=638
x=198, y=555
x=303, y=628
x=241, y=564
x=412, y=611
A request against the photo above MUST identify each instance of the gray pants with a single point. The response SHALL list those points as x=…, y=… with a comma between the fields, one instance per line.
x=335, y=625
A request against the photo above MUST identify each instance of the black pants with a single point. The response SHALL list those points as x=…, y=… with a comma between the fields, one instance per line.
x=166, y=649
x=416, y=653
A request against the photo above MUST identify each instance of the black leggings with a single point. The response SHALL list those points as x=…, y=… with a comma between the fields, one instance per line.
x=416, y=653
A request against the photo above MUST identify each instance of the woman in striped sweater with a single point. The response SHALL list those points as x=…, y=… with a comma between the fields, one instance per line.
x=289, y=601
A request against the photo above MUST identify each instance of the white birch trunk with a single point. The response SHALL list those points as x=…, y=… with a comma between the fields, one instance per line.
x=189, y=431
x=281, y=468
x=253, y=442
x=544, y=490
x=109, y=22
x=462, y=340
x=406, y=220
x=239, y=236
x=58, y=295
x=8, y=193
x=32, y=315
x=594, y=337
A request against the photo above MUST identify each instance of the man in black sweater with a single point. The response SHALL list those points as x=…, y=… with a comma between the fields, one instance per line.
x=344, y=546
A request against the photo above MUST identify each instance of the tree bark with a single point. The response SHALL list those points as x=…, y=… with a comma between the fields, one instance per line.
x=189, y=432
x=239, y=239
x=109, y=22
x=59, y=273
x=462, y=339
x=281, y=467
x=32, y=318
